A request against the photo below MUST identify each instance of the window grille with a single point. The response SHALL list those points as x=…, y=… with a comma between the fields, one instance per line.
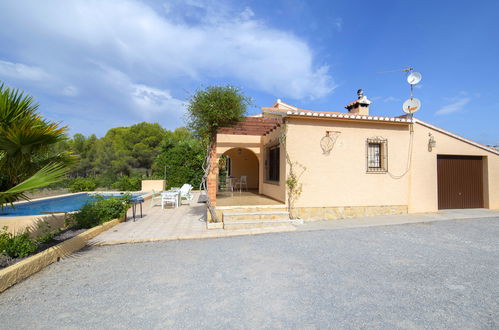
x=376, y=155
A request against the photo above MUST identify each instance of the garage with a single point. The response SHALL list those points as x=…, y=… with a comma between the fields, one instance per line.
x=460, y=182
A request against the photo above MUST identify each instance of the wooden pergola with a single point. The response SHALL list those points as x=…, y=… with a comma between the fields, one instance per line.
x=252, y=126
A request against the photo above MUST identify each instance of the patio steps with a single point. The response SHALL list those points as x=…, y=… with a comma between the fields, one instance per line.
x=246, y=218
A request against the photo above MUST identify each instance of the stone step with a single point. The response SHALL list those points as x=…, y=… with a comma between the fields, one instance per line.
x=256, y=208
x=235, y=225
x=249, y=216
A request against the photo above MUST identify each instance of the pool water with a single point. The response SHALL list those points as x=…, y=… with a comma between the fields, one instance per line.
x=55, y=205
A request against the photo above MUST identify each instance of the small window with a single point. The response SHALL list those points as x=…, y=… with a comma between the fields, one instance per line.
x=376, y=155
x=273, y=163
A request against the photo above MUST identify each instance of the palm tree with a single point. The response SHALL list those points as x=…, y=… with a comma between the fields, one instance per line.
x=26, y=161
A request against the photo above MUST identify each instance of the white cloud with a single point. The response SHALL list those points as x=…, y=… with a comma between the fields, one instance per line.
x=151, y=101
x=20, y=71
x=132, y=37
x=391, y=99
x=147, y=102
x=457, y=104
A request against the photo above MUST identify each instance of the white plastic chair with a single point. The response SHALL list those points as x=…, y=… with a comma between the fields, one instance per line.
x=185, y=192
x=156, y=196
x=242, y=181
x=169, y=197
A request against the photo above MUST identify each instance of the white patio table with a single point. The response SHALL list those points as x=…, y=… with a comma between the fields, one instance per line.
x=169, y=195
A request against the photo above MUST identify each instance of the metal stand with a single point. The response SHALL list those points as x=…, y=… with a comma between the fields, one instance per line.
x=136, y=201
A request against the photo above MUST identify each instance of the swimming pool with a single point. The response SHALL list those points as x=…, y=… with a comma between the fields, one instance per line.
x=55, y=205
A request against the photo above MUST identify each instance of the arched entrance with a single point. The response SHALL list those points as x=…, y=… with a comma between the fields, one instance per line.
x=240, y=162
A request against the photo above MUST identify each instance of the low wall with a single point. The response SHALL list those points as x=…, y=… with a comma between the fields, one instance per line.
x=331, y=213
x=27, y=267
x=150, y=185
x=34, y=224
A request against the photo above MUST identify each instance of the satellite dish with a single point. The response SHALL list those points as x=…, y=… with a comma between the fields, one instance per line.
x=411, y=105
x=414, y=77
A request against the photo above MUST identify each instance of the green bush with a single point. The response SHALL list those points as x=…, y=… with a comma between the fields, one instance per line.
x=48, y=233
x=16, y=246
x=126, y=183
x=101, y=210
x=82, y=184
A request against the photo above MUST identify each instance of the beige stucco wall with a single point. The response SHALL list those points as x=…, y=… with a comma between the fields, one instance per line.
x=228, y=141
x=244, y=162
x=423, y=195
x=150, y=185
x=340, y=178
x=276, y=190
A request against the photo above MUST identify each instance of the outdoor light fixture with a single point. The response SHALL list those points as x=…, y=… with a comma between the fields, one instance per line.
x=431, y=142
x=239, y=151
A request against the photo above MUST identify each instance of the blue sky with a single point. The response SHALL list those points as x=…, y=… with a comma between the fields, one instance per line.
x=99, y=64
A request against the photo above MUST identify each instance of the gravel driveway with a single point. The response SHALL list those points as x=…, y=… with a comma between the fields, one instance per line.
x=431, y=275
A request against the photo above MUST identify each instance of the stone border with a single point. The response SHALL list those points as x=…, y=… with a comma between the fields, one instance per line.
x=27, y=267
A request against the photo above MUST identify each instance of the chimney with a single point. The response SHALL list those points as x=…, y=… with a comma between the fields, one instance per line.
x=360, y=106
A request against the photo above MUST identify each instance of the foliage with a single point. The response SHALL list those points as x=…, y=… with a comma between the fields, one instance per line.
x=26, y=158
x=100, y=210
x=16, y=246
x=82, y=184
x=48, y=233
x=126, y=183
x=296, y=170
x=49, y=174
x=123, y=151
x=180, y=160
x=214, y=107
x=293, y=184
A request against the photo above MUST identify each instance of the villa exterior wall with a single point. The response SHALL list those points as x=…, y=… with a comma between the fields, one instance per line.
x=339, y=185
x=276, y=190
x=423, y=195
x=341, y=178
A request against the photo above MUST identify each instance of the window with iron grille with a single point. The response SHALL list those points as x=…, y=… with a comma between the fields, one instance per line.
x=377, y=155
x=273, y=163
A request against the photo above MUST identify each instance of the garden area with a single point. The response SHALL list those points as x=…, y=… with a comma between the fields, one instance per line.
x=38, y=158
x=16, y=247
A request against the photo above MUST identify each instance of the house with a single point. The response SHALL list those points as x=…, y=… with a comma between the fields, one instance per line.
x=353, y=163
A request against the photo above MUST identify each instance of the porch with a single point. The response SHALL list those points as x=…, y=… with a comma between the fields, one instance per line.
x=244, y=198
x=242, y=168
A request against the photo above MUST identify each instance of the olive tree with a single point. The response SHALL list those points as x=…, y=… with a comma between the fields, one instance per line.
x=214, y=107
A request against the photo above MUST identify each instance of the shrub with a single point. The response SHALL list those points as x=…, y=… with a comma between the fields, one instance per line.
x=48, y=233
x=82, y=184
x=126, y=183
x=101, y=210
x=16, y=245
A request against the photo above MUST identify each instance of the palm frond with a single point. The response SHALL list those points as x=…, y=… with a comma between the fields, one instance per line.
x=49, y=174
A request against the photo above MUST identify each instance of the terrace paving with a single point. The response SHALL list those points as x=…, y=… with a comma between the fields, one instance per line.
x=184, y=222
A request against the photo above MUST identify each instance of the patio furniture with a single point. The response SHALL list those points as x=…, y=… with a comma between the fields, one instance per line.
x=242, y=181
x=156, y=196
x=185, y=192
x=170, y=197
x=226, y=184
x=135, y=201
